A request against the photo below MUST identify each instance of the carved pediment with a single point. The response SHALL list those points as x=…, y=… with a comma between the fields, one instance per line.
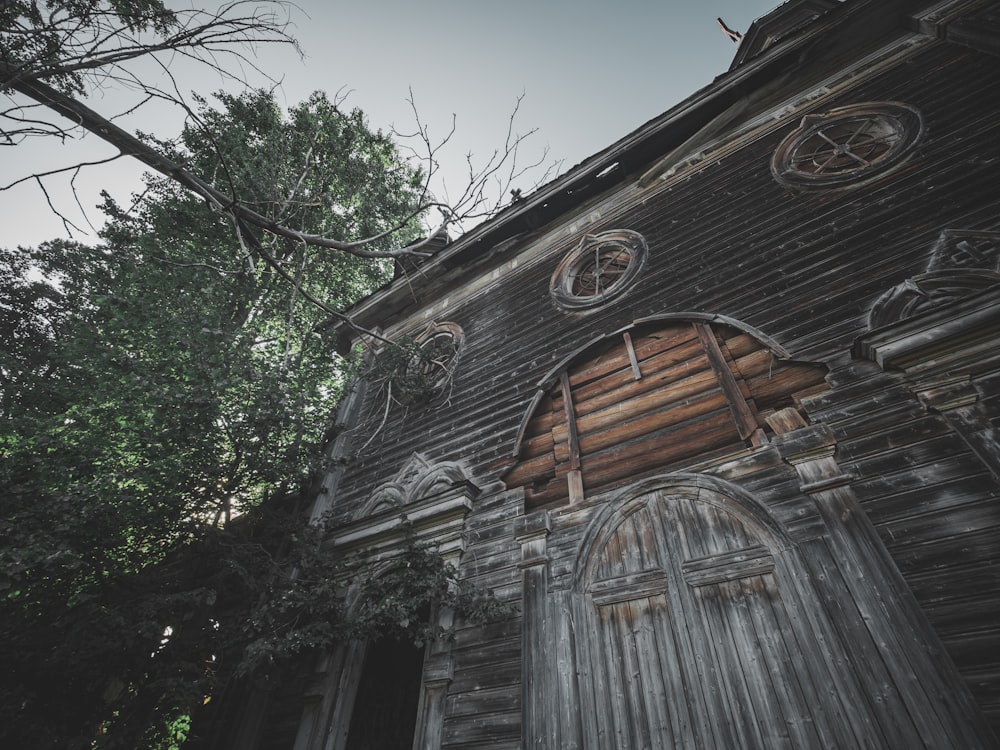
x=435, y=498
x=963, y=264
x=416, y=480
x=927, y=291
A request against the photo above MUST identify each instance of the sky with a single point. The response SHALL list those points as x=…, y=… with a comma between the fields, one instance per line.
x=590, y=72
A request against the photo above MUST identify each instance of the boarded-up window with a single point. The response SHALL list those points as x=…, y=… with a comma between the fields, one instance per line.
x=651, y=398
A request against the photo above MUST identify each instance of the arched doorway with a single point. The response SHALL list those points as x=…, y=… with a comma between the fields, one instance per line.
x=695, y=630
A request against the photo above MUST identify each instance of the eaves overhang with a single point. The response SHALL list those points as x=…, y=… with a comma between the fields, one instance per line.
x=857, y=26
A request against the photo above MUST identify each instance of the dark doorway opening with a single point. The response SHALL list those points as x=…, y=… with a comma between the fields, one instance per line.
x=385, y=709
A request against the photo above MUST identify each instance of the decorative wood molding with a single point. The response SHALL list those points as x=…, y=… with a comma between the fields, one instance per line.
x=966, y=249
x=418, y=478
x=939, y=351
x=928, y=291
x=731, y=566
x=848, y=146
x=941, y=339
x=439, y=519
x=599, y=269
x=944, y=394
x=531, y=532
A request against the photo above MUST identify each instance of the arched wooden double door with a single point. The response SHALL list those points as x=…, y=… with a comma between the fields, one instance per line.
x=694, y=637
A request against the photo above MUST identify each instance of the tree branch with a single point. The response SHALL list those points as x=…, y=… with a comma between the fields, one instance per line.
x=129, y=145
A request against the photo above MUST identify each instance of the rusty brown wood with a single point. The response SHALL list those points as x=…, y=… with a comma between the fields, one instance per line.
x=786, y=379
x=744, y=417
x=531, y=470
x=786, y=420
x=658, y=372
x=573, y=437
x=660, y=449
x=645, y=347
x=636, y=373
x=537, y=446
x=620, y=410
x=646, y=422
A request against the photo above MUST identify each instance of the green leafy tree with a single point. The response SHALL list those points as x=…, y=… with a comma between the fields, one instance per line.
x=56, y=53
x=166, y=394
x=163, y=394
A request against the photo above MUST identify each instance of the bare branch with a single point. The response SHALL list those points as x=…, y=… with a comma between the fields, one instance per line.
x=129, y=145
x=67, y=224
x=96, y=50
x=61, y=170
x=276, y=266
x=102, y=42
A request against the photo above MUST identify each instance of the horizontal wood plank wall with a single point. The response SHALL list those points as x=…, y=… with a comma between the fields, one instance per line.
x=672, y=394
x=936, y=508
x=804, y=269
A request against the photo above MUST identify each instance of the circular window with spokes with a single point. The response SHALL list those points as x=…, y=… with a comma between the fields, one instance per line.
x=847, y=146
x=428, y=363
x=600, y=268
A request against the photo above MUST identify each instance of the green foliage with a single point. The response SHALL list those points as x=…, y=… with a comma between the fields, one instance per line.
x=397, y=602
x=41, y=38
x=399, y=599
x=165, y=398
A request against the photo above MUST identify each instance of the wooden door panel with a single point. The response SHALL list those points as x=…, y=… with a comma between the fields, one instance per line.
x=695, y=643
x=651, y=671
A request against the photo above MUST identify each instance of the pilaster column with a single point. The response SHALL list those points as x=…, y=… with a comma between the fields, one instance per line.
x=927, y=685
x=538, y=718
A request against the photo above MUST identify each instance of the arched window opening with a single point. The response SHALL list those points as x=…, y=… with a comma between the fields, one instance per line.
x=653, y=397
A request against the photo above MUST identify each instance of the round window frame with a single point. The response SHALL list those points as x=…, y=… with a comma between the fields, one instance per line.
x=432, y=332
x=904, y=119
x=565, y=274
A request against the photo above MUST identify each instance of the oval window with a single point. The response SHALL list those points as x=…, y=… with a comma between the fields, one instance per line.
x=847, y=145
x=600, y=268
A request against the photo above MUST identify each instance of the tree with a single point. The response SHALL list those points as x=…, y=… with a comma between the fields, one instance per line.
x=166, y=394
x=51, y=60
x=166, y=397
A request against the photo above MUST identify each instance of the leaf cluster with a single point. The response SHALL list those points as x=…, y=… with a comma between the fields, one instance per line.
x=52, y=39
x=401, y=601
x=165, y=399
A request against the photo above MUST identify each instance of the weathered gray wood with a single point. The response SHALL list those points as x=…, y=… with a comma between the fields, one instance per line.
x=825, y=644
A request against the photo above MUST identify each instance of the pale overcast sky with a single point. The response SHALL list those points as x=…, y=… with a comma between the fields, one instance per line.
x=591, y=72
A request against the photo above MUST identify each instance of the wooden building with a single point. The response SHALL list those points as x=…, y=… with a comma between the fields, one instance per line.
x=718, y=411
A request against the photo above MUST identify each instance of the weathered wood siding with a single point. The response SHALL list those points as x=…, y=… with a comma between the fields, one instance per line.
x=652, y=398
x=804, y=269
